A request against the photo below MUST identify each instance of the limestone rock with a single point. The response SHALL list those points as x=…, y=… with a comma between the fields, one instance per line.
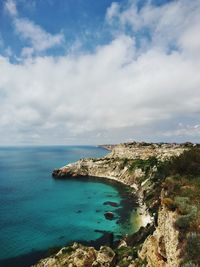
x=150, y=253
x=111, y=165
x=162, y=248
x=105, y=257
x=77, y=255
x=80, y=256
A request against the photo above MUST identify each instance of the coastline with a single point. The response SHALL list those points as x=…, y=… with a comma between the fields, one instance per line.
x=138, y=166
x=143, y=217
x=32, y=258
x=107, y=147
x=117, y=166
x=130, y=200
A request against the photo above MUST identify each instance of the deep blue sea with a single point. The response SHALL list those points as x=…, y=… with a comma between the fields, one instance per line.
x=38, y=212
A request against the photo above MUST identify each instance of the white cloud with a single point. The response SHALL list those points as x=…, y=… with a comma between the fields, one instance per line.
x=10, y=7
x=39, y=39
x=185, y=130
x=112, y=94
x=112, y=11
x=175, y=23
x=100, y=92
x=190, y=39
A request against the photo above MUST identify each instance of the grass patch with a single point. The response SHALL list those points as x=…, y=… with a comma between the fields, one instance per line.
x=144, y=165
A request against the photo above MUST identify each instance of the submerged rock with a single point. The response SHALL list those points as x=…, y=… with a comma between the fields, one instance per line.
x=78, y=211
x=134, y=164
x=111, y=203
x=109, y=215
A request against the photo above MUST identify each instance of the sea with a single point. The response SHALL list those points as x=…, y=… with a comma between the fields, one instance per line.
x=39, y=213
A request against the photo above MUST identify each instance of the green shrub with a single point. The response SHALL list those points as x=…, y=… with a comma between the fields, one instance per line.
x=188, y=212
x=182, y=204
x=145, y=165
x=183, y=222
x=193, y=247
x=189, y=264
x=123, y=163
x=188, y=163
x=172, y=185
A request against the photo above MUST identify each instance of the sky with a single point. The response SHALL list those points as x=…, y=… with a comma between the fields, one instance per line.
x=91, y=72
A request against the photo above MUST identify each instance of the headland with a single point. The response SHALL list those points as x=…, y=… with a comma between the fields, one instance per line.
x=166, y=179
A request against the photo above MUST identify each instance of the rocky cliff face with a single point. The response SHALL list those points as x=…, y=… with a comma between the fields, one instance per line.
x=119, y=164
x=144, y=151
x=137, y=165
x=162, y=248
x=107, y=167
x=80, y=256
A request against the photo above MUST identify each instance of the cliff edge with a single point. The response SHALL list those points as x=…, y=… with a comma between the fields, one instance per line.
x=166, y=178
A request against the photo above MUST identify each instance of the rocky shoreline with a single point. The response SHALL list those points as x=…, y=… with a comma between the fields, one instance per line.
x=140, y=166
x=109, y=167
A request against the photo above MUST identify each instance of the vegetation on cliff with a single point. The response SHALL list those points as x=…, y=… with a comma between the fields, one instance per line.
x=167, y=178
x=179, y=180
x=182, y=187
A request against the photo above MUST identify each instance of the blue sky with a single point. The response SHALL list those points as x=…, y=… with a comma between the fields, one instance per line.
x=90, y=72
x=80, y=20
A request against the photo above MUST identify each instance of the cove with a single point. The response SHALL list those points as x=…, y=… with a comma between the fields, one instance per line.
x=38, y=212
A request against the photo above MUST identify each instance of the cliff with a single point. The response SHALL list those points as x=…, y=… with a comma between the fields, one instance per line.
x=162, y=248
x=164, y=177
x=127, y=163
x=79, y=256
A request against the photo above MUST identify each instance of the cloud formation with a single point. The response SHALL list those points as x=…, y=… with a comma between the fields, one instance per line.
x=135, y=87
x=10, y=7
x=39, y=40
x=174, y=24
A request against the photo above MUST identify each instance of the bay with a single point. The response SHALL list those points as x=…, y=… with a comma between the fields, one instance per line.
x=38, y=212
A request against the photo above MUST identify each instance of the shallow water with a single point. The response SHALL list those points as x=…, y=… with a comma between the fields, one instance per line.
x=38, y=212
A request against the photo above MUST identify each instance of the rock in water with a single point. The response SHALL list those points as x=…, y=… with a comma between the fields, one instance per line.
x=111, y=203
x=109, y=215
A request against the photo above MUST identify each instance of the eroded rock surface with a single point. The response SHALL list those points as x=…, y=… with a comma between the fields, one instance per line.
x=117, y=164
x=162, y=248
x=144, y=150
x=156, y=244
x=80, y=256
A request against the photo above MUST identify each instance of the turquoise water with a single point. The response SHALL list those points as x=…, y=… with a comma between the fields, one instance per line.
x=38, y=212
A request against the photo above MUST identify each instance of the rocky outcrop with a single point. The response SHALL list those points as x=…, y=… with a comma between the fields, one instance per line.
x=162, y=248
x=132, y=164
x=80, y=256
x=116, y=165
x=136, y=165
x=105, y=167
x=146, y=150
